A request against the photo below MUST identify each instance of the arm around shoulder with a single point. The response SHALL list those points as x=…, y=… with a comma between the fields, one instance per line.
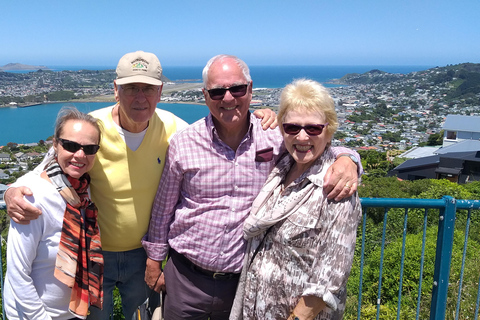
x=18, y=209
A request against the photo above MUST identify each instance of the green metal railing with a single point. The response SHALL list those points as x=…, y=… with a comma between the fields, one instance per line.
x=447, y=208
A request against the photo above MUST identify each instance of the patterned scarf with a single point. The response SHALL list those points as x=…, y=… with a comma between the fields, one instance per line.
x=79, y=262
x=265, y=213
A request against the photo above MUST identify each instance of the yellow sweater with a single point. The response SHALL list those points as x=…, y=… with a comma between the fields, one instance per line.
x=124, y=182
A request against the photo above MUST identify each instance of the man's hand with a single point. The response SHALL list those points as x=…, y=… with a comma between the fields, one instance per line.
x=154, y=272
x=268, y=116
x=341, y=180
x=17, y=208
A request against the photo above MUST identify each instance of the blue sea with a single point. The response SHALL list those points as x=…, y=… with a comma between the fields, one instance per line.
x=32, y=124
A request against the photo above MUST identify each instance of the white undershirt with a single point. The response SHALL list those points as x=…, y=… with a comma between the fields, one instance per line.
x=133, y=140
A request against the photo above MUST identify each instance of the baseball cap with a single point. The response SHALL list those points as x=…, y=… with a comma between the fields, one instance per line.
x=141, y=67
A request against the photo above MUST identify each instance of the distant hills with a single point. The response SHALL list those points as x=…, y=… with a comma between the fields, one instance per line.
x=20, y=66
x=461, y=80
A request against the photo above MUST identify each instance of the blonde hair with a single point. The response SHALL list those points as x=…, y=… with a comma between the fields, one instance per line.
x=311, y=96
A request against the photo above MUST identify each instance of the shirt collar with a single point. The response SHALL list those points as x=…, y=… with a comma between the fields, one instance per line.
x=212, y=131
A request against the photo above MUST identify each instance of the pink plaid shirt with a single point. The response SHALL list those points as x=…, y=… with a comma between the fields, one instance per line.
x=206, y=192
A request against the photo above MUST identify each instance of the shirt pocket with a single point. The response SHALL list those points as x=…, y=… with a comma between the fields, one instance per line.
x=301, y=230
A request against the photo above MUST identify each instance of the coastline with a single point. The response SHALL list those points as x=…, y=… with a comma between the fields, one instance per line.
x=168, y=87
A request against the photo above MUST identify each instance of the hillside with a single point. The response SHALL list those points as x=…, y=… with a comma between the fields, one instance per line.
x=19, y=66
x=461, y=80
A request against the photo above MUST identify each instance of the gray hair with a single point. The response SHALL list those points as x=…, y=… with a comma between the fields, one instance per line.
x=71, y=113
x=220, y=57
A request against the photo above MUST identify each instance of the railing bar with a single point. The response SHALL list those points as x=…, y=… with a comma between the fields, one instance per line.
x=477, y=302
x=405, y=219
x=1, y=276
x=416, y=203
x=362, y=259
x=422, y=261
x=468, y=204
x=381, y=262
x=403, y=203
x=467, y=229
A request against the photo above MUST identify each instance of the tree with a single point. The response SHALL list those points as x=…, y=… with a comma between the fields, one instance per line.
x=435, y=139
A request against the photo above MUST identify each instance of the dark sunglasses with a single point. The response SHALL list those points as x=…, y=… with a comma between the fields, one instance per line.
x=73, y=147
x=311, y=129
x=235, y=91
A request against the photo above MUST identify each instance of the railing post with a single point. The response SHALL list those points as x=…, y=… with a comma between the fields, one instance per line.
x=443, y=256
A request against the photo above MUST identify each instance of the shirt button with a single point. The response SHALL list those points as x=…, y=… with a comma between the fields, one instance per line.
x=233, y=209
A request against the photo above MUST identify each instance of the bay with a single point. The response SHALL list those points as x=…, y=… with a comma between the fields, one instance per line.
x=27, y=125
x=35, y=123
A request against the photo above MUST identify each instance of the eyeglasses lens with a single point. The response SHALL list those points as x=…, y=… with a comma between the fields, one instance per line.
x=133, y=90
x=235, y=91
x=312, y=129
x=73, y=147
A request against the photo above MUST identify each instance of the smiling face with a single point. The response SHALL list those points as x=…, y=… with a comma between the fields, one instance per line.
x=77, y=163
x=229, y=112
x=305, y=149
x=136, y=110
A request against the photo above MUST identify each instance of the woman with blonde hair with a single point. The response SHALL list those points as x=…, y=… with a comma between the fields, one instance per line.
x=301, y=244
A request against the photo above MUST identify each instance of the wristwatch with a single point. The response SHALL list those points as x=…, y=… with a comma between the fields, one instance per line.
x=293, y=316
x=351, y=156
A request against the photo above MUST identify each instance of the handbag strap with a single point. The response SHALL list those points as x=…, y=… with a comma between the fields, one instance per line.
x=259, y=245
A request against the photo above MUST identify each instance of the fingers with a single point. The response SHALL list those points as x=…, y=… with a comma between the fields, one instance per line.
x=154, y=276
x=274, y=124
x=18, y=208
x=341, y=179
x=268, y=116
x=160, y=283
x=339, y=193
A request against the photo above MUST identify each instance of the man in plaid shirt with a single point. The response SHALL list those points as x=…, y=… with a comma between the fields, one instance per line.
x=213, y=172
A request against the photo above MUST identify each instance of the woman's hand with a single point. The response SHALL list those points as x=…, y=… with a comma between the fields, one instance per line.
x=307, y=308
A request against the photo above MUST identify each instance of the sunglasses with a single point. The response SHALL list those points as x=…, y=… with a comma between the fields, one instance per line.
x=311, y=129
x=73, y=147
x=235, y=91
x=134, y=90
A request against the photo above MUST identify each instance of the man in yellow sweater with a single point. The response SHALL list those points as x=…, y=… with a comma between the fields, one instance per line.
x=125, y=176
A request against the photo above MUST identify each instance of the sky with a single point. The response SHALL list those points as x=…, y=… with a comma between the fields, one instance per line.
x=270, y=32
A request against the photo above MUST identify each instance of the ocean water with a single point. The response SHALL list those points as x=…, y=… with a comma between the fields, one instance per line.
x=264, y=76
x=32, y=124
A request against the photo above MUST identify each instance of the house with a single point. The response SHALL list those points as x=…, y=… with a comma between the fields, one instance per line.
x=460, y=167
x=2, y=191
x=3, y=175
x=458, y=128
x=4, y=157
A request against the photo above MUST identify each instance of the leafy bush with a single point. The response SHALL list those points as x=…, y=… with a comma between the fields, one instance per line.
x=411, y=277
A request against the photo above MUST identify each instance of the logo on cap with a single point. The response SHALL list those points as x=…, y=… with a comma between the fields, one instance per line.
x=140, y=65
